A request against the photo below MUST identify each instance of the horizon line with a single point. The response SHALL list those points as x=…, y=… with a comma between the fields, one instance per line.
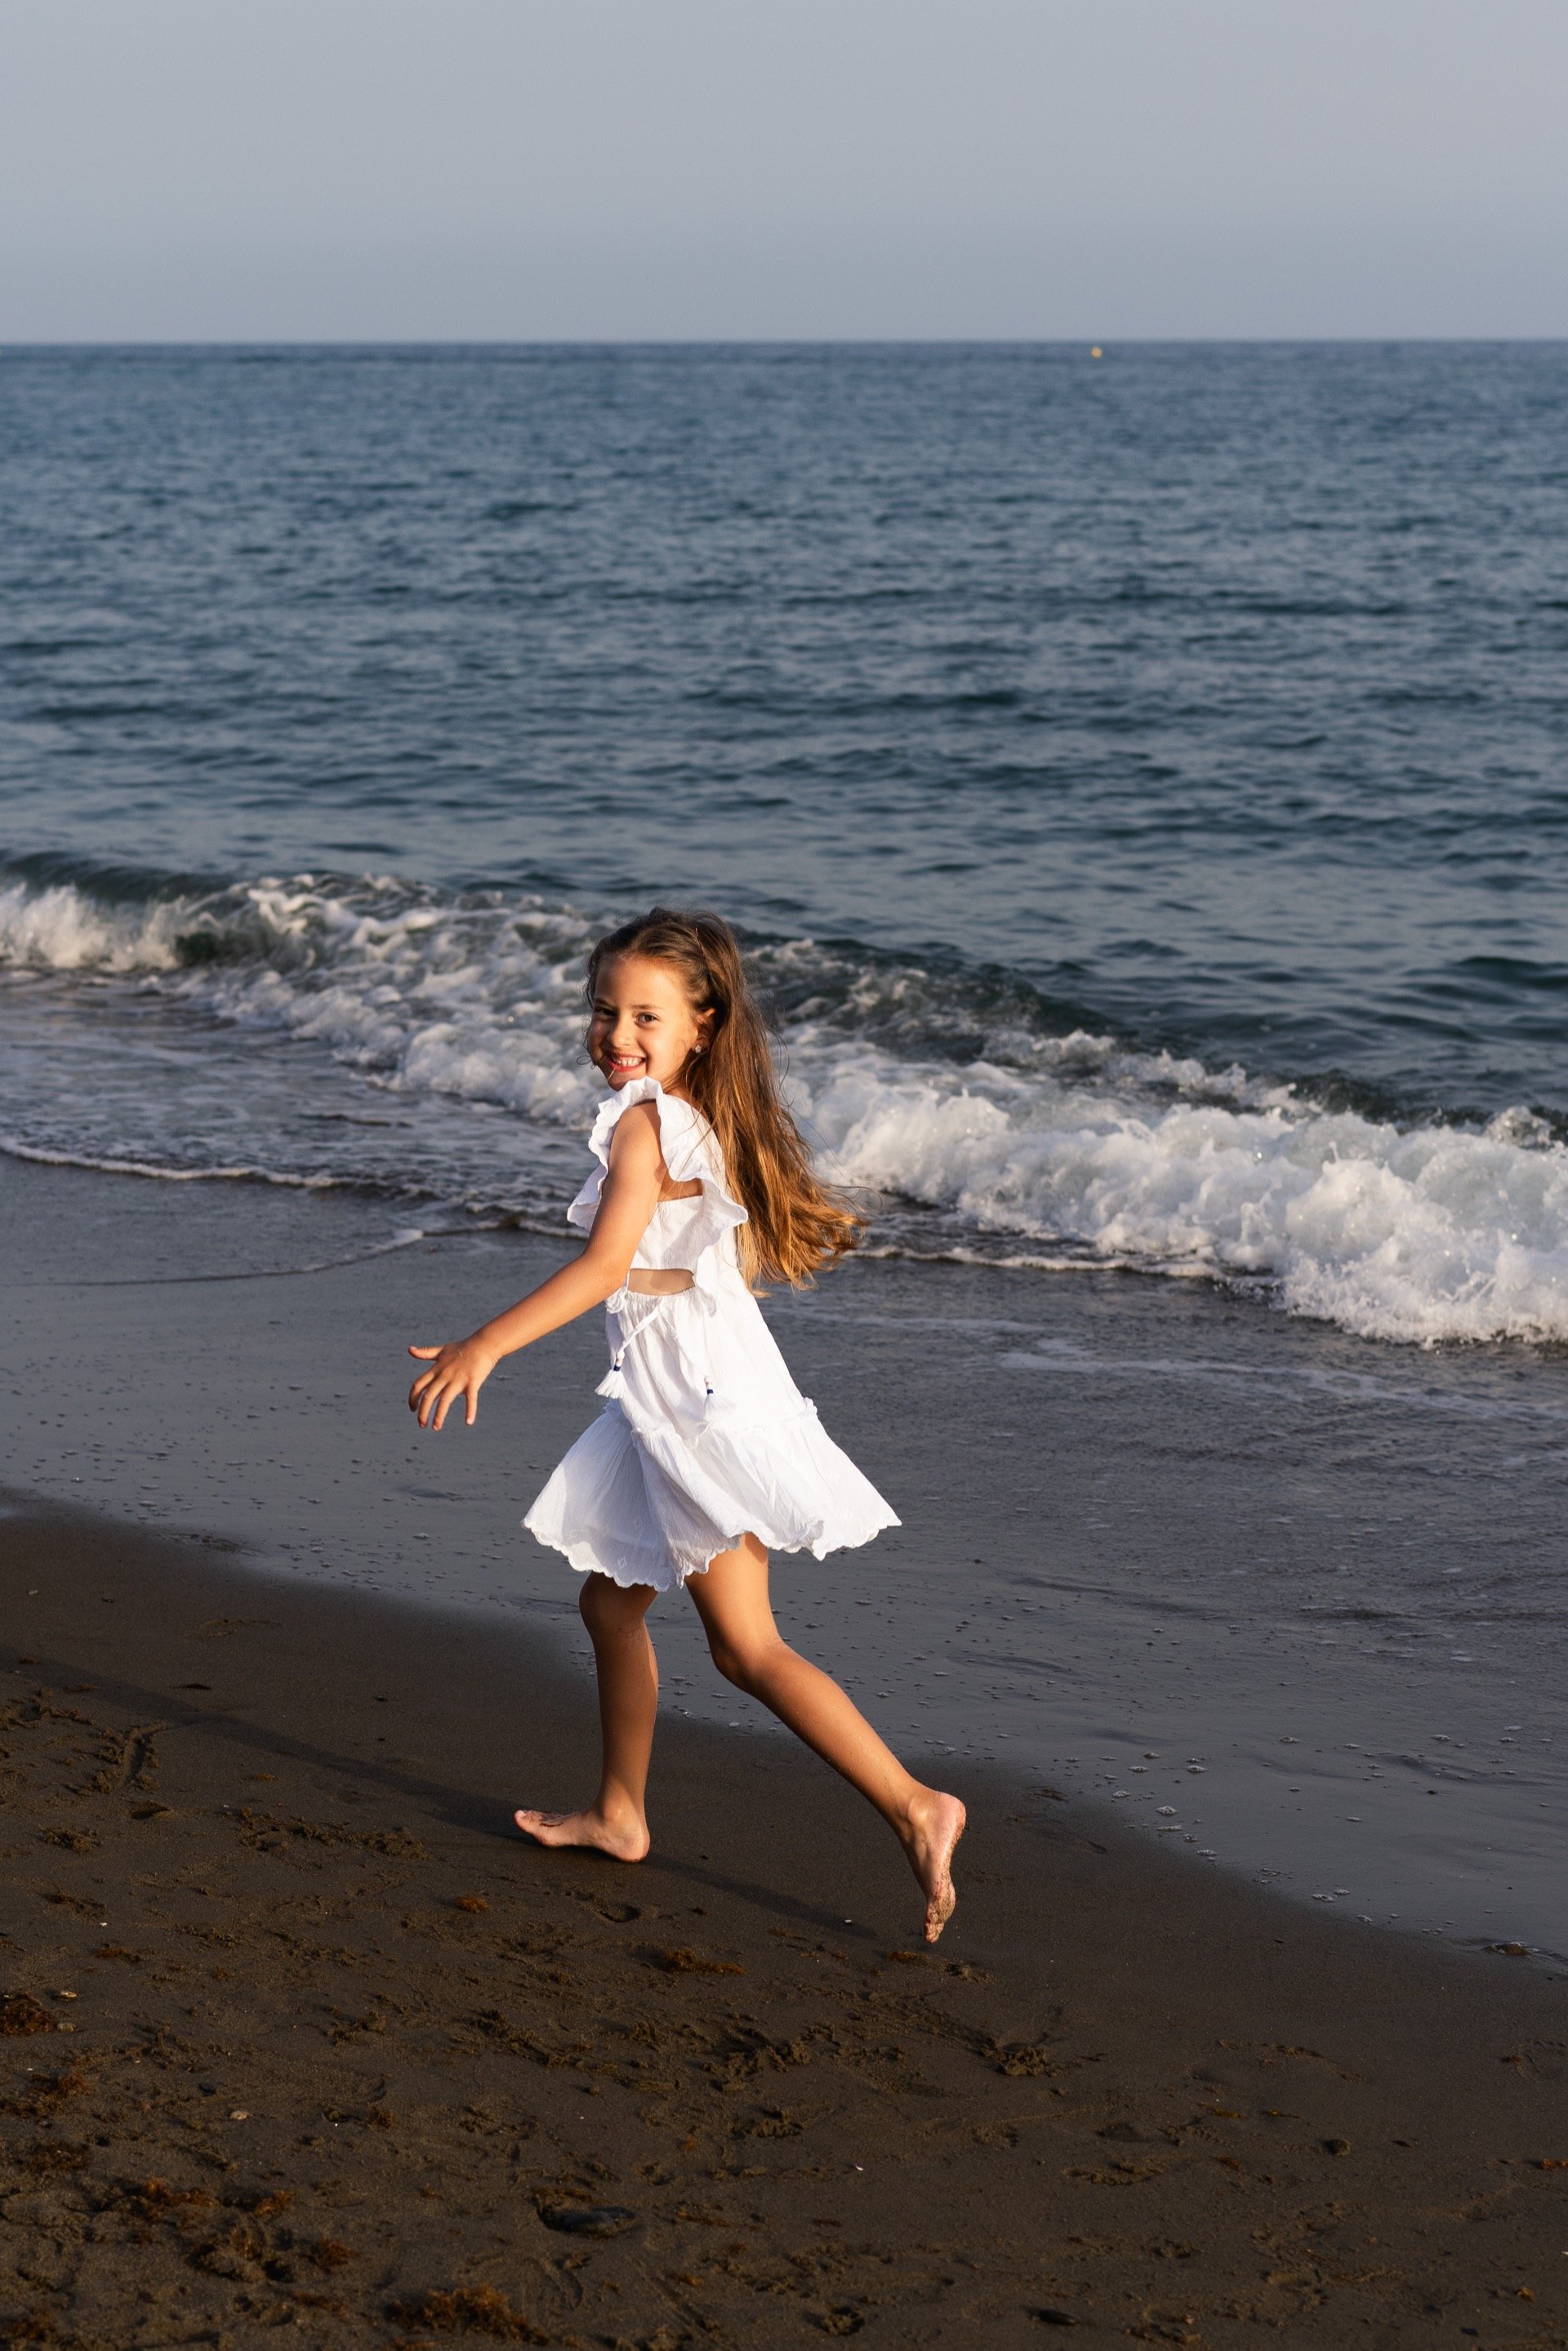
x=1086, y=342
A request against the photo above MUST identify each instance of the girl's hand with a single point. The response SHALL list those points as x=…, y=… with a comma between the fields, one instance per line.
x=454, y=1371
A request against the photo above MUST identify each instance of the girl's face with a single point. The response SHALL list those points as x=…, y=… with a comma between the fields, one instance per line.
x=642, y=1024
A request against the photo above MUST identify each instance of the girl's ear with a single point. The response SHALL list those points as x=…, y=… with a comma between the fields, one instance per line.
x=704, y=1029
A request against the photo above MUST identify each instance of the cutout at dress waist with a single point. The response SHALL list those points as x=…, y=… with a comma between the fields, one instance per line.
x=660, y=1282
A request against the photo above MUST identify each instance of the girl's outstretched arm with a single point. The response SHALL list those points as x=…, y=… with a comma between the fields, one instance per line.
x=629, y=1196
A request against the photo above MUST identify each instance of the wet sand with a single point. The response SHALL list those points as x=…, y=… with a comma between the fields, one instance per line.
x=1267, y=1592
x=298, y=2034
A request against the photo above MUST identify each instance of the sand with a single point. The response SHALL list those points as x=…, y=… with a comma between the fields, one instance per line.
x=298, y=2034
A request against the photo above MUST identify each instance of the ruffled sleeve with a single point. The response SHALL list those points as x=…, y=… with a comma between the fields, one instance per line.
x=691, y=1156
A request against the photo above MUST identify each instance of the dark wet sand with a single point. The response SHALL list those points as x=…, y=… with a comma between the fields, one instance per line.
x=347, y=2057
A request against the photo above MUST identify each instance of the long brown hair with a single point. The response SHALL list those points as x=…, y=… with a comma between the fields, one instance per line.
x=798, y=1224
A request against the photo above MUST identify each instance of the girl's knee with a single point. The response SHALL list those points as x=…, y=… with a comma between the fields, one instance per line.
x=728, y=1660
x=744, y=1663
x=609, y=1608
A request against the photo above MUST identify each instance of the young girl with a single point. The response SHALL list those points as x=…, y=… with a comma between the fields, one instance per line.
x=706, y=1456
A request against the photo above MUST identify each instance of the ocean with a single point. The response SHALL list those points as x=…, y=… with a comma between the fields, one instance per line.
x=1138, y=780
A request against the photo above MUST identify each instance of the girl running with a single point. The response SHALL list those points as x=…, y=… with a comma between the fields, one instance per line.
x=706, y=1457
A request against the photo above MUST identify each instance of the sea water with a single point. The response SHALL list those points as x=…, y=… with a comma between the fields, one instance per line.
x=1138, y=781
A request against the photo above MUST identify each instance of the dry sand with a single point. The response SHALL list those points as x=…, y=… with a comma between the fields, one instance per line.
x=298, y=2035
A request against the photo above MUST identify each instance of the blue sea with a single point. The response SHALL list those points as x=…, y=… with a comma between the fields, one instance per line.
x=1140, y=781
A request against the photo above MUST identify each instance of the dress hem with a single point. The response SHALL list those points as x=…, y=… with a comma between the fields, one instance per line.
x=585, y=1561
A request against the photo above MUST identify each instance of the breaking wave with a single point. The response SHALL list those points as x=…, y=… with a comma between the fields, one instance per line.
x=989, y=1119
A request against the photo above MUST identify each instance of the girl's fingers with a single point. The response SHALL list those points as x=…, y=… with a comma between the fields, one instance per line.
x=449, y=1396
x=434, y=1392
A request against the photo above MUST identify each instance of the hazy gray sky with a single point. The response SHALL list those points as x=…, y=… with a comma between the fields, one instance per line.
x=320, y=169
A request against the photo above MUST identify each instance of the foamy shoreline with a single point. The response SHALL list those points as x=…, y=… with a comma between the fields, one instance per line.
x=391, y=1036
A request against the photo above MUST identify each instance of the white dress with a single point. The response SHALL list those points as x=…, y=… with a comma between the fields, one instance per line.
x=704, y=1437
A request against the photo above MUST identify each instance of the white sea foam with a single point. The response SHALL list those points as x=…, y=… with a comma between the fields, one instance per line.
x=64, y=929
x=38, y=1155
x=1423, y=1235
x=1062, y=1144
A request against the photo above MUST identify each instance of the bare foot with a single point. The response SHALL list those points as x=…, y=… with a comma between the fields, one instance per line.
x=626, y=1839
x=935, y=1826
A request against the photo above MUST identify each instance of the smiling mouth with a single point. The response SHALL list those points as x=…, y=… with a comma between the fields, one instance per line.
x=625, y=1061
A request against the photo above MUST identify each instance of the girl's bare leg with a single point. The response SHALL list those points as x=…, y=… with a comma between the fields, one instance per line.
x=616, y=1821
x=732, y=1601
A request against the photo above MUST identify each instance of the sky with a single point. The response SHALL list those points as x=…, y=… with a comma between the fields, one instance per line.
x=643, y=169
